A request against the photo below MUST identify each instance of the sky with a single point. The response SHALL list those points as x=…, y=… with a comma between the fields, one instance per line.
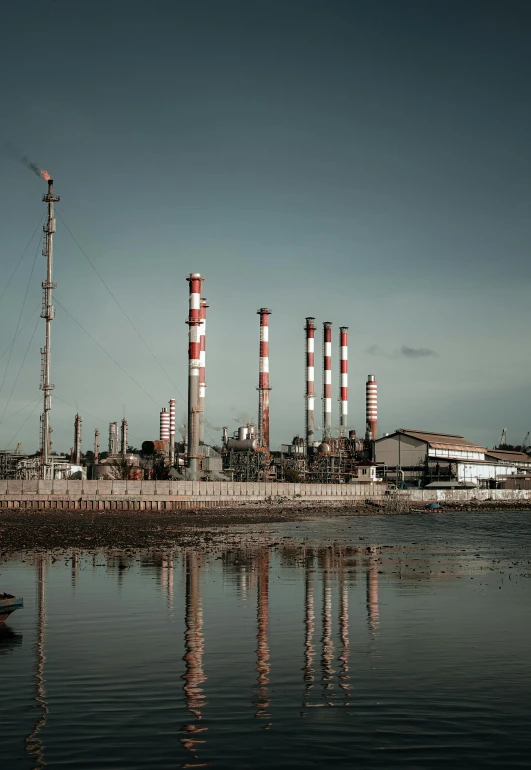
x=365, y=163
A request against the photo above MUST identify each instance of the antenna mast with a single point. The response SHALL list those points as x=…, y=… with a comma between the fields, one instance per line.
x=48, y=314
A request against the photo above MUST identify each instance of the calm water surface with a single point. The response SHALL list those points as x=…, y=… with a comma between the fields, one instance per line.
x=364, y=642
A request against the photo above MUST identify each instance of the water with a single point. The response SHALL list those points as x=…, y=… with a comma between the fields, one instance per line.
x=363, y=642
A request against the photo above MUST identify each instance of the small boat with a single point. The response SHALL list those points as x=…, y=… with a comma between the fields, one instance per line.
x=429, y=508
x=9, y=604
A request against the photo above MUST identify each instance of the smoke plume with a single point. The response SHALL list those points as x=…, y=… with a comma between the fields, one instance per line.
x=405, y=351
x=14, y=153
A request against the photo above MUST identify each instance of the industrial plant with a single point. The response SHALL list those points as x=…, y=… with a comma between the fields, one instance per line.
x=406, y=457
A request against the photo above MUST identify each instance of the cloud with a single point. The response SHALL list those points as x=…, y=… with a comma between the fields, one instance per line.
x=405, y=351
x=408, y=352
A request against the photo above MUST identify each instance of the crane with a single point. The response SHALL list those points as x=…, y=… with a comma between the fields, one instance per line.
x=503, y=438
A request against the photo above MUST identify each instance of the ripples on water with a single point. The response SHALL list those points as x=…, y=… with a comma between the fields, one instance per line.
x=363, y=642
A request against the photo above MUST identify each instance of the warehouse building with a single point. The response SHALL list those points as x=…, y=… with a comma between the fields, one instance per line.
x=422, y=457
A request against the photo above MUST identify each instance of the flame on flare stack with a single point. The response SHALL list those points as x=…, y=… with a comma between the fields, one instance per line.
x=46, y=175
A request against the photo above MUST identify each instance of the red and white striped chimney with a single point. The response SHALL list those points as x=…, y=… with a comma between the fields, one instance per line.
x=372, y=408
x=263, y=379
x=194, y=361
x=310, y=381
x=172, y=431
x=343, y=380
x=327, y=380
x=202, y=371
x=165, y=426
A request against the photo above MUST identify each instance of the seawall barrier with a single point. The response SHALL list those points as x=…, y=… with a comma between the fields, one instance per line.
x=172, y=495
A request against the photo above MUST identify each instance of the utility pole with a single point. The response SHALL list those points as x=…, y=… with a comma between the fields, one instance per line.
x=48, y=314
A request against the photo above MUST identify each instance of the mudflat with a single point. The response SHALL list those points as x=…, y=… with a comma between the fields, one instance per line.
x=24, y=530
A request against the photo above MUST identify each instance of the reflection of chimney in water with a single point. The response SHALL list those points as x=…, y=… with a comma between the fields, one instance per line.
x=34, y=744
x=166, y=576
x=75, y=568
x=193, y=657
x=328, y=645
x=309, y=649
x=263, y=666
x=373, y=615
x=344, y=678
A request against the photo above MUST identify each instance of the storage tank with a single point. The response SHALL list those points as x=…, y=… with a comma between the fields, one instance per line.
x=243, y=431
x=245, y=445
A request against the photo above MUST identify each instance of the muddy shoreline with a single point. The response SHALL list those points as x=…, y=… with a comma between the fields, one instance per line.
x=27, y=530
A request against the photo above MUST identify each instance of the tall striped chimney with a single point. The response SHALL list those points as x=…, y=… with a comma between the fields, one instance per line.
x=202, y=371
x=263, y=379
x=165, y=427
x=194, y=362
x=343, y=380
x=172, y=431
x=327, y=380
x=310, y=381
x=371, y=408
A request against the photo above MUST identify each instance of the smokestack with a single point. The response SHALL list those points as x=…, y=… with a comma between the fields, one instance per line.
x=343, y=380
x=165, y=427
x=310, y=381
x=113, y=438
x=48, y=313
x=96, y=446
x=194, y=361
x=77, y=440
x=371, y=408
x=123, y=448
x=172, y=431
x=327, y=380
x=263, y=379
x=202, y=371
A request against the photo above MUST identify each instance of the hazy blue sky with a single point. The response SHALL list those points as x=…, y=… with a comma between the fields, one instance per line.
x=366, y=163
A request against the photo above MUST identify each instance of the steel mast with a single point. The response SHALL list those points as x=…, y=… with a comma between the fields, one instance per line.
x=48, y=314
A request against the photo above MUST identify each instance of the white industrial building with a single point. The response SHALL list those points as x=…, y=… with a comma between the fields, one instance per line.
x=423, y=457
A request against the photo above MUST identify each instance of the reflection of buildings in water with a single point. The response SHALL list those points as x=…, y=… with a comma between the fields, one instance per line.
x=34, y=744
x=328, y=646
x=263, y=666
x=344, y=678
x=194, y=646
x=309, y=623
x=373, y=615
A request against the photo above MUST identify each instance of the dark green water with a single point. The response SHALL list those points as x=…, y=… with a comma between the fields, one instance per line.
x=374, y=642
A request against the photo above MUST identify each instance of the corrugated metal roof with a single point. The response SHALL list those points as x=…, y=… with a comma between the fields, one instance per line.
x=512, y=457
x=442, y=440
x=467, y=447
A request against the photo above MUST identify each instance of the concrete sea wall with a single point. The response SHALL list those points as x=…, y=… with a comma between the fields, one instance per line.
x=170, y=495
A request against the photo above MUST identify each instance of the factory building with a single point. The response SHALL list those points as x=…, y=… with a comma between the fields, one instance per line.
x=426, y=458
